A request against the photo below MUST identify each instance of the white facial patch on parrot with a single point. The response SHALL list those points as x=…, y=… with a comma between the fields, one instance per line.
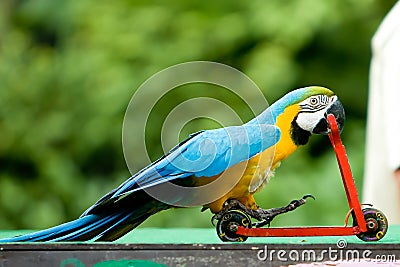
x=313, y=109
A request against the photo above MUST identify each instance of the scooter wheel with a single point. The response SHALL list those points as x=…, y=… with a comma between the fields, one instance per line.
x=377, y=225
x=228, y=225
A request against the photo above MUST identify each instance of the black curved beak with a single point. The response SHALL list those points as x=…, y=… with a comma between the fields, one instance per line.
x=337, y=110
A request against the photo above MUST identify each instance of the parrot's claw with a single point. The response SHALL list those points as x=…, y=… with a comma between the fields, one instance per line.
x=262, y=223
x=294, y=204
x=308, y=196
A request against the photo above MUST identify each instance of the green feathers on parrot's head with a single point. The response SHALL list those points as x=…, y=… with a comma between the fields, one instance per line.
x=299, y=95
x=294, y=97
x=313, y=90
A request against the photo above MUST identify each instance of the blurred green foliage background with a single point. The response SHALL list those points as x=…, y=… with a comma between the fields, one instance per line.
x=69, y=68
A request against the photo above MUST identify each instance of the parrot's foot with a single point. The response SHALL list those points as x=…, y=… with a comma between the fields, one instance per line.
x=263, y=216
x=266, y=216
x=231, y=204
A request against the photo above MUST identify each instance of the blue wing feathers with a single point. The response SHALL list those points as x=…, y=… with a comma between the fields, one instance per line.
x=204, y=154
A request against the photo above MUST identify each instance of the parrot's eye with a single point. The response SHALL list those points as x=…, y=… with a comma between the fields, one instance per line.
x=314, y=101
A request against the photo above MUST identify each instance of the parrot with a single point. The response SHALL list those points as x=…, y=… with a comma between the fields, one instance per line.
x=248, y=154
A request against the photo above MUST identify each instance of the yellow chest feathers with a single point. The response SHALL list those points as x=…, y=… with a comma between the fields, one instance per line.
x=260, y=168
x=285, y=146
x=264, y=164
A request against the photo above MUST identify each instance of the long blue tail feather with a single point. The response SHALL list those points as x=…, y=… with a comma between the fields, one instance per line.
x=53, y=232
x=106, y=226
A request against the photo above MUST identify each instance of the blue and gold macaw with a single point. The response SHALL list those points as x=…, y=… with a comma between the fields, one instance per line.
x=249, y=154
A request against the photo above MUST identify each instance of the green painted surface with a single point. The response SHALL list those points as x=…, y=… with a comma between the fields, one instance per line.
x=209, y=236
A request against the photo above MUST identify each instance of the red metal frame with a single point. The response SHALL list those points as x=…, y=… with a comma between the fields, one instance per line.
x=351, y=193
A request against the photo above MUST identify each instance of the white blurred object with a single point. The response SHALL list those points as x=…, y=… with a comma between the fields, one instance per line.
x=383, y=124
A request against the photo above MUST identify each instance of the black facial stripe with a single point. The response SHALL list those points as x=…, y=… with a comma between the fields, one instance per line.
x=307, y=110
x=299, y=136
x=323, y=99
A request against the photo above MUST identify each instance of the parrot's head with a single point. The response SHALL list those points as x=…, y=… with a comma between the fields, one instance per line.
x=306, y=111
x=314, y=109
